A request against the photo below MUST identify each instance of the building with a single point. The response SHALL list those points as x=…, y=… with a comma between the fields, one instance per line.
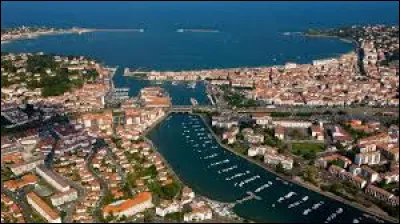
x=382, y=195
x=274, y=159
x=356, y=180
x=200, y=211
x=20, y=168
x=52, y=178
x=344, y=161
x=341, y=136
x=167, y=207
x=187, y=195
x=129, y=207
x=61, y=198
x=292, y=123
x=262, y=119
x=97, y=121
x=317, y=131
x=369, y=158
x=256, y=150
x=370, y=174
x=50, y=214
x=29, y=179
x=280, y=132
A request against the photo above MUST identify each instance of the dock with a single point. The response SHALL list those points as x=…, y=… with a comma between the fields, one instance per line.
x=250, y=196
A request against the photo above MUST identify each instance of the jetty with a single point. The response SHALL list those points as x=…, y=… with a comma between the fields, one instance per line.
x=250, y=196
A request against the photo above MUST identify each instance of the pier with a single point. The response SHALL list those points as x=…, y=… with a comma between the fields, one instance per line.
x=250, y=196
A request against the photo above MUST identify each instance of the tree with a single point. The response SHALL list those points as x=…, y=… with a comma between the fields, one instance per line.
x=279, y=168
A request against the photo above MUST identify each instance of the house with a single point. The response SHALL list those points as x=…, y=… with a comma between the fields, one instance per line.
x=200, y=211
x=369, y=158
x=262, y=119
x=29, y=179
x=187, y=195
x=130, y=207
x=280, y=132
x=317, y=131
x=341, y=136
x=256, y=150
x=167, y=207
x=370, y=174
x=323, y=161
x=50, y=214
x=275, y=159
x=356, y=180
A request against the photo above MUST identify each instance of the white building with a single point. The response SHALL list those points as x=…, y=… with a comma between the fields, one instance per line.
x=167, y=207
x=64, y=197
x=200, y=212
x=27, y=166
x=52, y=178
x=369, y=158
x=272, y=159
x=256, y=150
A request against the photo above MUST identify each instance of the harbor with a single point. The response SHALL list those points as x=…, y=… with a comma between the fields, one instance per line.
x=220, y=175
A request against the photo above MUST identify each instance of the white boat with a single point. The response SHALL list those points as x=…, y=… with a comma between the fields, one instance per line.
x=273, y=205
x=339, y=211
x=262, y=188
x=290, y=194
x=269, y=182
x=305, y=198
x=355, y=221
x=305, y=212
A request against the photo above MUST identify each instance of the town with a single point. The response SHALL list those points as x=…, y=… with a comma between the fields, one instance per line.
x=75, y=148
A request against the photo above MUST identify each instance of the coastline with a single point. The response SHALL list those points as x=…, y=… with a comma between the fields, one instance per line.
x=301, y=183
x=176, y=177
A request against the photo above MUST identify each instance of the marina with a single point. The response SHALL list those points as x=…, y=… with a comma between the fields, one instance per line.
x=221, y=179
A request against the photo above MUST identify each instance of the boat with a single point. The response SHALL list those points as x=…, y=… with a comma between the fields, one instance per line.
x=192, y=85
x=174, y=83
x=305, y=198
x=339, y=211
x=180, y=30
x=305, y=212
x=355, y=221
x=269, y=182
x=290, y=194
x=273, y=205
x=261, y=188
x=194, y=101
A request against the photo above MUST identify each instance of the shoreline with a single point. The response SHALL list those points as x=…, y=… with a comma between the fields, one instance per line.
x=310, y=187
x=176, y=177
x=301, y=183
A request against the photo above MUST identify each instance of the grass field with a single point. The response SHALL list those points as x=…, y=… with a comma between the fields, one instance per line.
x=307, y=150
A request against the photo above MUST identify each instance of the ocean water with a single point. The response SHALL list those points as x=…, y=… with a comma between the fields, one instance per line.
x=251, y=34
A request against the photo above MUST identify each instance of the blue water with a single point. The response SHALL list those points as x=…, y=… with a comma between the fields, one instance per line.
x=186, y=143
x=251, y=32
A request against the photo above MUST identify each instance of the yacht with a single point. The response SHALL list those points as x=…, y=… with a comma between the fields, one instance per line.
x=305, y=212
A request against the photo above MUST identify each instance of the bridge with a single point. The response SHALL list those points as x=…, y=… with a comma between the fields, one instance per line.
x=189, y=108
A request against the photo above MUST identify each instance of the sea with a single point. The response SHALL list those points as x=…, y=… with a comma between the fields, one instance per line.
x=251, y=34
